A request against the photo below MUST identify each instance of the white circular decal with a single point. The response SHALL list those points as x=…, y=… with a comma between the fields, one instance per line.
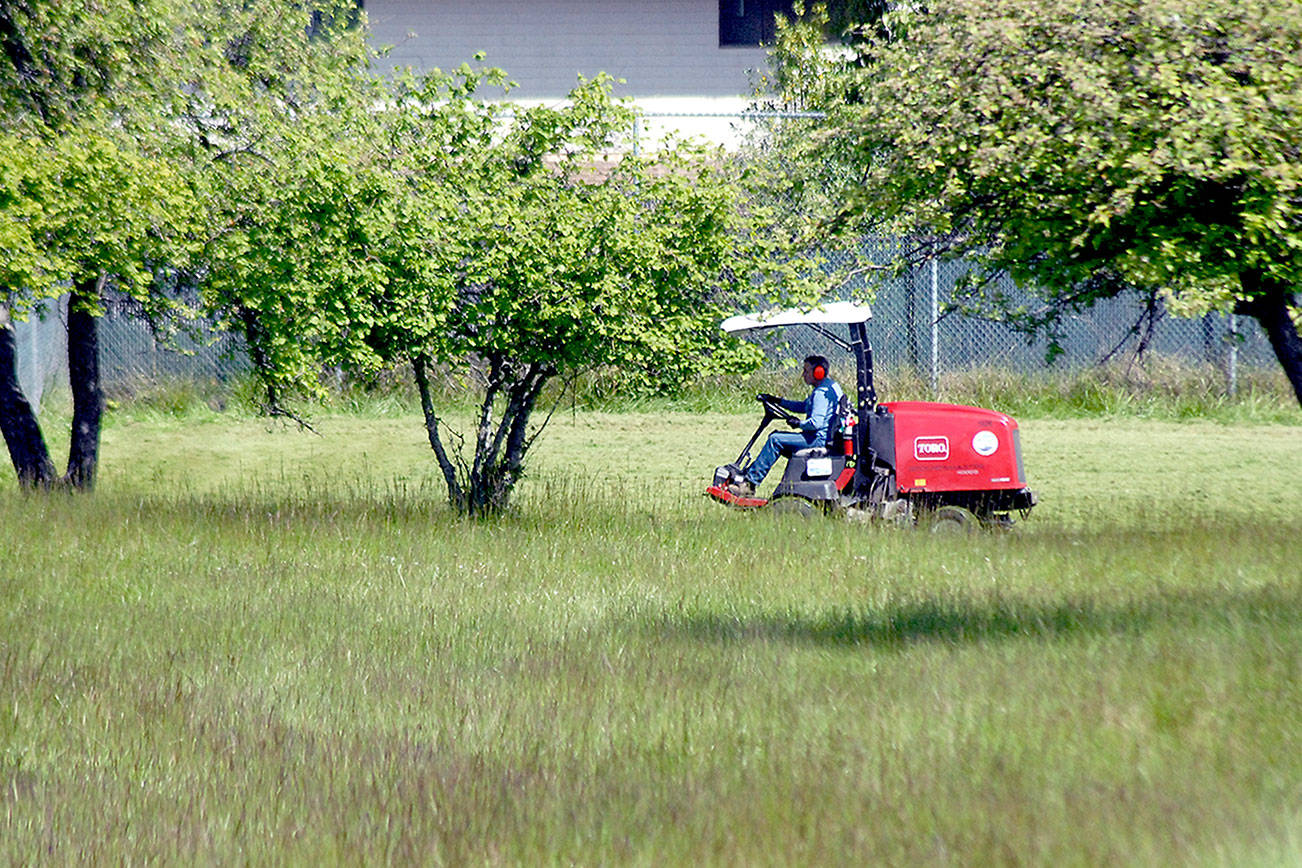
x=985, y=443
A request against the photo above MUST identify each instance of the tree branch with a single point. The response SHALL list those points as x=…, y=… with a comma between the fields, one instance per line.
x=559, y=397
x=483, y=433
x=455, y=493
x=1152, y=314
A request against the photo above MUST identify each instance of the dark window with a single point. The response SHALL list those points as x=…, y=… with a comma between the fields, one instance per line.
x=749, y=22
x=321, y=19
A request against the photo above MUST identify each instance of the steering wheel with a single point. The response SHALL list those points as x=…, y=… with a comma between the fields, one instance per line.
x=773, y=408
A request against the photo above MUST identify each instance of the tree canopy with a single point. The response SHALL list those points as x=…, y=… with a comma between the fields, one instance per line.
x=1084, y=149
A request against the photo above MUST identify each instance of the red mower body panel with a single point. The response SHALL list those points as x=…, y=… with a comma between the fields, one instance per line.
x=952, y=448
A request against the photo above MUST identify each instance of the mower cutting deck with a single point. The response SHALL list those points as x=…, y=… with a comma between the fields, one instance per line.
x=723, y=495
x=900, y=460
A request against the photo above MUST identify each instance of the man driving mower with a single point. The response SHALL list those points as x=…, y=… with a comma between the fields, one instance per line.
x=821, y=417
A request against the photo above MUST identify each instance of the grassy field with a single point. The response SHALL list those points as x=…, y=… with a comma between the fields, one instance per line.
x=255, y=644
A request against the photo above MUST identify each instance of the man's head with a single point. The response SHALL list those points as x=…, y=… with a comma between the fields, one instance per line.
x=816, y=369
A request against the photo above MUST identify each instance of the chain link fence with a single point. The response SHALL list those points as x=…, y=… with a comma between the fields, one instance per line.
x=912, y=327
x=132, y=354
x=42, y=345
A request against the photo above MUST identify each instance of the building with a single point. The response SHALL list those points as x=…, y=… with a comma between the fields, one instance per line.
x=676, y=57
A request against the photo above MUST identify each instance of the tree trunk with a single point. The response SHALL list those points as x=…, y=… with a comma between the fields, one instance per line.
x=456, y=496
x=22, y=433
x=484, y=489
x=1268, y=303
x=517, y=442
x=83, y=377
x=500, y=462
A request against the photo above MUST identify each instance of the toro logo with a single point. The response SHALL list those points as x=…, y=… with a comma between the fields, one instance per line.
x=931, y=448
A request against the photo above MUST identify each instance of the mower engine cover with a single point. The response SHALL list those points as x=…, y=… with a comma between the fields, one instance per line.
x=949, y=447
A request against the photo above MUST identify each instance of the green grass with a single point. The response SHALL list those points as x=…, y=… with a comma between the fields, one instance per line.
x=256, y=644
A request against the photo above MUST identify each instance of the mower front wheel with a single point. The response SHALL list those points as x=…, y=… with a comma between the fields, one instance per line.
x=792, y=506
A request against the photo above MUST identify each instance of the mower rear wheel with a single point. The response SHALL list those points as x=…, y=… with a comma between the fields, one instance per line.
x=953, y=520
x=793, y=506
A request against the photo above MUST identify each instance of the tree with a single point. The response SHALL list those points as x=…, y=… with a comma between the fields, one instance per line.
x=515, y=248
x=558, y=262
x=108, y=119
x=81, y=201
x=1084, y=149
x=77, y=208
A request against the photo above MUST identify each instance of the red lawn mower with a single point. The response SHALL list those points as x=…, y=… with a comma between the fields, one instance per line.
x=902, y=461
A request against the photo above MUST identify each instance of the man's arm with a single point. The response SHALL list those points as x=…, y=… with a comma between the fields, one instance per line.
x=795, y=406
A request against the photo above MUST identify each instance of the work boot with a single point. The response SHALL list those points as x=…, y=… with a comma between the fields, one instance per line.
x=744, y=488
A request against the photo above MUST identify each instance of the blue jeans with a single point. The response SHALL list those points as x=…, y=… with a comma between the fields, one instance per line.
x=779, y=443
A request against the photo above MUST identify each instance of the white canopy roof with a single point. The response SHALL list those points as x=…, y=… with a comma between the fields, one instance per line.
x=832, y=313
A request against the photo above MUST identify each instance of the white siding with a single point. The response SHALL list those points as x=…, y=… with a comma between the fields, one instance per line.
x=663, y=48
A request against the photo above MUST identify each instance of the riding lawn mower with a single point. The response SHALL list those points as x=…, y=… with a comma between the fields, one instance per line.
x=902, y=461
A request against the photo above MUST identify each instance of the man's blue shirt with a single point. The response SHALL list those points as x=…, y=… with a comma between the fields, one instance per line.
x=820, y=410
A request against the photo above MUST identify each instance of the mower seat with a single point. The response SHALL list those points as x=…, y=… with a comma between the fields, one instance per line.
x=835, y=447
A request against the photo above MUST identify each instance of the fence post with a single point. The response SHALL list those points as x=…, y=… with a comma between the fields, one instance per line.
x=935, y=330
x=637, y=135
x=36, y=386
x=1234, y=356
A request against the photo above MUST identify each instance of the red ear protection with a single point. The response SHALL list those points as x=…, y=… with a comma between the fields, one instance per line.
x=820, y=372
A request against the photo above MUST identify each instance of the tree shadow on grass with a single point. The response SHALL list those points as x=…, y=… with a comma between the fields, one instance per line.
x=971, y=621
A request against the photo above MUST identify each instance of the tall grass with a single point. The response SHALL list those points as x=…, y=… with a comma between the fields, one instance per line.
x=255, y=644
x=295, y=678
x=1158, y=389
